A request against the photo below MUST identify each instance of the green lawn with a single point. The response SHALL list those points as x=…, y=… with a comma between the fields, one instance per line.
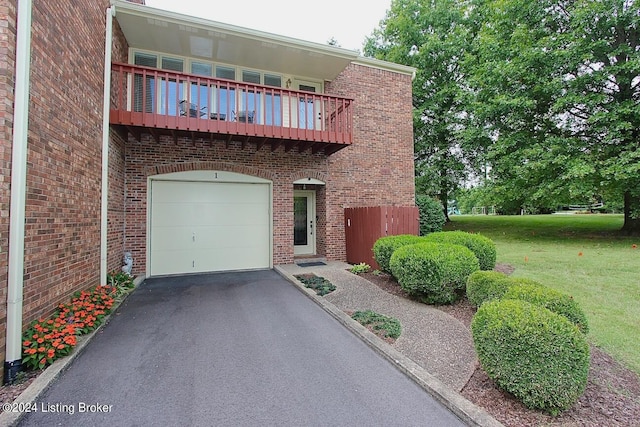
x=583, y=256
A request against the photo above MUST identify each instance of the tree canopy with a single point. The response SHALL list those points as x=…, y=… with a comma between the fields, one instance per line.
x=543, y=93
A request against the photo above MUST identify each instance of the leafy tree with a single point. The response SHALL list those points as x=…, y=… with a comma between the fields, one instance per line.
x=557, y=84
x=602, y=98
x=433, y=37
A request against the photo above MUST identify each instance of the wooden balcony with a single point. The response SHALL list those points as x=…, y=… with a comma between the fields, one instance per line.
x=161, y=102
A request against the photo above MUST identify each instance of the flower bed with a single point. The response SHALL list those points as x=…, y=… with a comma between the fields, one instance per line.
x=47, y=340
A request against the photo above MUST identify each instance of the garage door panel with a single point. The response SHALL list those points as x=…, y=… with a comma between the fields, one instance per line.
x=171, y=262
x=171, y=238
x=229, y=259
x=229, y=237
x=169, y=214
x=209, y=226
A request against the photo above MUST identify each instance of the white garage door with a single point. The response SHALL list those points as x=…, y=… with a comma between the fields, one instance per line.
x=208, y=226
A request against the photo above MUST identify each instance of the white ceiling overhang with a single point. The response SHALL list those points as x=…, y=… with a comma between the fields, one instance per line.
x=158, y=30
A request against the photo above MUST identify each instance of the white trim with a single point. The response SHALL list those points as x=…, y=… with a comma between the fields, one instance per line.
x=15, y=281
x=165, y=15
x=310, y=248
x=205, y=176
x=106, y=103
x=385, y=65
x=267, y=38
x=309, y=181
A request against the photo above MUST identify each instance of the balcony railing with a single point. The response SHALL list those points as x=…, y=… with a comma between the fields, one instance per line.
x=167, y=102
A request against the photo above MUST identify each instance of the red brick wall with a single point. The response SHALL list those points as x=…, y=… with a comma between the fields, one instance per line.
x=147, y=158
x=62, y=236
x=7, y=67
x=376, y=170
x=115, y=217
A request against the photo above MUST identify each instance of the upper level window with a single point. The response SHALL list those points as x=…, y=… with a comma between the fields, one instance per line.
x=201, y=69
x=272, y=80
x=225, y=73
x=250, y=77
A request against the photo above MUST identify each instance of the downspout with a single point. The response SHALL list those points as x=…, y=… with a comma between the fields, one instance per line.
x=13, y=354
x=106, y=104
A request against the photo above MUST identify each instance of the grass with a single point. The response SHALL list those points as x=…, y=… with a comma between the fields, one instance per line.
x=582, y=255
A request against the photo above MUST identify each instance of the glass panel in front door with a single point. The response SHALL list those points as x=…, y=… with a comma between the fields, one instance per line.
x=300, y=215
x=305, y=108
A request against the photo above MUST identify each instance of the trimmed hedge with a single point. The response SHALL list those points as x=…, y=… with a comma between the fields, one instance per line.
x=538, y=356
x=433, y=272
x=431, y=214
x=384, y=247
x=486, y=285
x=481, y=246
x=552, y=300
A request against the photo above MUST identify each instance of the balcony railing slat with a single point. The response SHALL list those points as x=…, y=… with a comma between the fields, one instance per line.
x=148, y=97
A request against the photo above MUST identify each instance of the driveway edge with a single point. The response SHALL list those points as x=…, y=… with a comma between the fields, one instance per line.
x=44, y=380
x=465, y=410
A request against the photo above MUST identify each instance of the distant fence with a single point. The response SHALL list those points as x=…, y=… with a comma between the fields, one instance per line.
x=363, y=226
x=483, y=210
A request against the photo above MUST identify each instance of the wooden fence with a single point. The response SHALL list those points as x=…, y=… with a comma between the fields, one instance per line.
x=363, y=226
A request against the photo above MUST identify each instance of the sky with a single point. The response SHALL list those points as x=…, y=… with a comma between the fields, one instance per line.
x=347, y=21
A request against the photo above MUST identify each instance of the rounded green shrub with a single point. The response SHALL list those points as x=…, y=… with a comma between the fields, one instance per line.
x=515, y=281
x=550, y=299
x=538, y=356
x=431, y=214
x=481, y=246
x=433, y=272
x=486, y=285
x=384, y=247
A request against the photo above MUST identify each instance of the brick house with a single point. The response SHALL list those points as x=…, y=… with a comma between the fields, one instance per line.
x=218, y=148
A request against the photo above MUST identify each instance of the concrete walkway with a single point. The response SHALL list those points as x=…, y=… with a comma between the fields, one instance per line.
x=433, y=339
x=435, y=349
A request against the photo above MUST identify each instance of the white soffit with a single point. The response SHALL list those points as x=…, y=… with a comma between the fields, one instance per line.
x=309, y=181
x=158, y=30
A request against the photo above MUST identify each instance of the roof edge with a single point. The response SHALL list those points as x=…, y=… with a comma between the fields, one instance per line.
x=385, y=65
x=151, y=12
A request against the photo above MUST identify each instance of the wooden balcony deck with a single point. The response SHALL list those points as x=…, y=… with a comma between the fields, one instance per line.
x=161, y=102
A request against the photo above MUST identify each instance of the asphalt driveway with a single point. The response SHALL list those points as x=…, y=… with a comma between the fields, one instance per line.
x=231, y=349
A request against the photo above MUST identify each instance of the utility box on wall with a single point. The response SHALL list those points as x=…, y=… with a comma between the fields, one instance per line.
x=363, y=226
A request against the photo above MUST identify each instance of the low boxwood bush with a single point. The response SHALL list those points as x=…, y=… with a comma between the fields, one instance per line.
x=433, y=272
x=538, y=356
x=384, y=247
x=481, y=246
x=431, y=214
x=550, y=299
x=486, y=285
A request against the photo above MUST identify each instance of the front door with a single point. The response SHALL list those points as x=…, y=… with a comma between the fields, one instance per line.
x=309, y=113
x=304, y=222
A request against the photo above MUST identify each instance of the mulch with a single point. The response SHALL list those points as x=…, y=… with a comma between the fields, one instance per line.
x=612, y=396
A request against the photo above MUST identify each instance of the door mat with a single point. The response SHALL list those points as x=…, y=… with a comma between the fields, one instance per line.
x=310, y=264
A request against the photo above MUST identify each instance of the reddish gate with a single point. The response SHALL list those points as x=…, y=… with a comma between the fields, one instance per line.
x=363, y=226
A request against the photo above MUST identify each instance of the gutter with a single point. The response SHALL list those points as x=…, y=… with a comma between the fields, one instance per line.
x=15, y=284
x=106, y=103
